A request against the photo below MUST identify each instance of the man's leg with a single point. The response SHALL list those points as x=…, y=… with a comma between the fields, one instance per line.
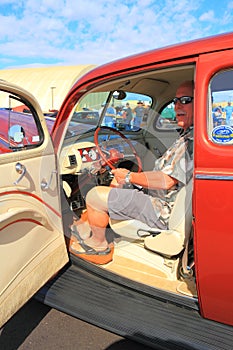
x=95, y=249
x=97, y=215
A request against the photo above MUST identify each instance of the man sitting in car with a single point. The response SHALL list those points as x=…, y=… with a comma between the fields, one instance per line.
x=171, y=172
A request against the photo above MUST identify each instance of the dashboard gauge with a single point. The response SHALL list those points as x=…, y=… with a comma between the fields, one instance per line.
x=92, y=154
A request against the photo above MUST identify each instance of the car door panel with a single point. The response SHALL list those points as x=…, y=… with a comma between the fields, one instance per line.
x=30, y=234
x=32, y=245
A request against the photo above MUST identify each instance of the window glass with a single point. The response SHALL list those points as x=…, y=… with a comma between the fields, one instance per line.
x=117, y=109
x=220, y=121
x=167, y=118
x=18, y=129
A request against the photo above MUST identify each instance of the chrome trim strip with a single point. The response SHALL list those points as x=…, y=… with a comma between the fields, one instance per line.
x=214, y=177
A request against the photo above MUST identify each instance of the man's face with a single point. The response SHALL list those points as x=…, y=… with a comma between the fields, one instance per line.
x=184, y=112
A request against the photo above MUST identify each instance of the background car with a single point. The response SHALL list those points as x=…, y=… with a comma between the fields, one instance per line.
x=86, y=116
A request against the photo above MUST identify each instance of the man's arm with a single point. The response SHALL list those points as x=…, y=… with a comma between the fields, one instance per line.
x=147, y=179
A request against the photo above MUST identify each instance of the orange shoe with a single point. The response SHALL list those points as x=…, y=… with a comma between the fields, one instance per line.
x=85, y=252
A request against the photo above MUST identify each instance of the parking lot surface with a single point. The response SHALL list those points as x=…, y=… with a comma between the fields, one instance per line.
x=37, y=326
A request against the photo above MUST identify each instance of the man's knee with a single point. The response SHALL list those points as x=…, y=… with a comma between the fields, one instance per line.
x=97, y=197
x=91, y=196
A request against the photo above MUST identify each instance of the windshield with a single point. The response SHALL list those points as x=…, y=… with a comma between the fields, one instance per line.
x=117, y=109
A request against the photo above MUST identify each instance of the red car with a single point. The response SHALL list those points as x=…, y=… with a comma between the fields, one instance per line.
x=166, y=290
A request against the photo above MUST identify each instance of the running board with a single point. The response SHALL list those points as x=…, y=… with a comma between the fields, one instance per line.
x=133, y=313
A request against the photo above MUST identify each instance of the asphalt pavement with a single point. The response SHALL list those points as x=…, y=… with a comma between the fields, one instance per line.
x=37, y=326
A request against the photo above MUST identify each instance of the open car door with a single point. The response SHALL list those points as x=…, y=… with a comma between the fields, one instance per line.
x=32, y=245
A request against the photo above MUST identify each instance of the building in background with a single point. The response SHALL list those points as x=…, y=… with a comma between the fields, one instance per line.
x=48, y=84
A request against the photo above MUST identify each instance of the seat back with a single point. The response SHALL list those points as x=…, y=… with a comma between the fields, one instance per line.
x=172, y=241
x=168, y=242
x=181, y=216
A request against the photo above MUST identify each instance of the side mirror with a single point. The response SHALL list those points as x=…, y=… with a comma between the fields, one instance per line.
x=16, y=133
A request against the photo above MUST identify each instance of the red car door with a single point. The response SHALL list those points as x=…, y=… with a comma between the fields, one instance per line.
x=213, y=187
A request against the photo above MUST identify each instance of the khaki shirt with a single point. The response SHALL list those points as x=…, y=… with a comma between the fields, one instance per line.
x=176, y=162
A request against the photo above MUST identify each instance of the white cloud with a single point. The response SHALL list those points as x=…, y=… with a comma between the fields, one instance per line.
x=93, y=32
x=208, y=16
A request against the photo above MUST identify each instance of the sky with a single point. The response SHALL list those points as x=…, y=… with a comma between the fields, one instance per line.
x=37, y=33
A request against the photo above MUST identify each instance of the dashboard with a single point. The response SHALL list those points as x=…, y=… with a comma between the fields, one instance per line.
x=78, y=157
x=83, y=156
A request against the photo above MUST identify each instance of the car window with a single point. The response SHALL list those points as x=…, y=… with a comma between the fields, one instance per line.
x=166, y=118
x=18, y=128
x=220, y=116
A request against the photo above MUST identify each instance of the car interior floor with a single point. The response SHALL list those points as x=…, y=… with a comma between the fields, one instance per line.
x=133, y=261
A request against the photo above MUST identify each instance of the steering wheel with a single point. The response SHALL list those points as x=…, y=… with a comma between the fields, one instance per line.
x=114, y=155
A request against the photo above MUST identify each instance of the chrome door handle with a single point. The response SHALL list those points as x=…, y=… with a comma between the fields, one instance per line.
x=44, y=184
x=21, y=169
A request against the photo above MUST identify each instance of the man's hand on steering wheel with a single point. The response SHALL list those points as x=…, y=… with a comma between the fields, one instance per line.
x=120, y=174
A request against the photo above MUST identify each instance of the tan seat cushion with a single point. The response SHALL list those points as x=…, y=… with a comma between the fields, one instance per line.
x=168, y=242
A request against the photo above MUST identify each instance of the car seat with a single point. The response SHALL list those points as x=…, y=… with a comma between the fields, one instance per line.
x=168, y=242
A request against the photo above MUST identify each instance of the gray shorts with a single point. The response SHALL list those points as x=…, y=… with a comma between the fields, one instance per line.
x=126, y=204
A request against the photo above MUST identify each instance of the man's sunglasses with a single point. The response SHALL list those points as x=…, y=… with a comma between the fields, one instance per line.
x=184, y=100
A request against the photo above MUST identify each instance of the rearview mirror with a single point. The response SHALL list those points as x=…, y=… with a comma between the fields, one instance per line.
x=119, y=95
